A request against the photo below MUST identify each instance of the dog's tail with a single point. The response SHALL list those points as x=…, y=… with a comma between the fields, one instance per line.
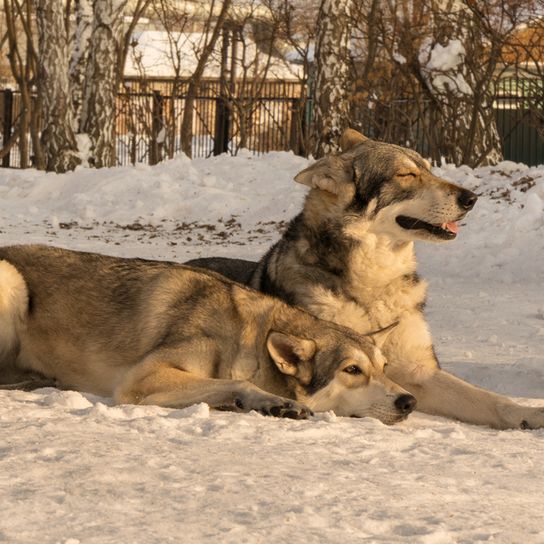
x=13, y=306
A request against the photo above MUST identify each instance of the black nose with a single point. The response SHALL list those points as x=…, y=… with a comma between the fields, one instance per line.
x=405, y=403
x=467, y=199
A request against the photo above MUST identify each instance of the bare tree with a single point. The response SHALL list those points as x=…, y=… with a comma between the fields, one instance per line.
x=457, y=66
x=252, y=36
x=212, y=31
x=331, y=102
x=296, y=26
x=23, y=61
x=58, y=140
x=174, y=21
x=525, y=52
x=445, y=61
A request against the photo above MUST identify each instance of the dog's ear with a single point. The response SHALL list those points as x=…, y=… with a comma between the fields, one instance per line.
x=289, y=352
x=350, y=138
x=380, y=336
x=329, y=174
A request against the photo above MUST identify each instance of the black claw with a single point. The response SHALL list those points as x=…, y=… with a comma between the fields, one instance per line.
x=239, y=404
x=276, y=411
x=524, y=425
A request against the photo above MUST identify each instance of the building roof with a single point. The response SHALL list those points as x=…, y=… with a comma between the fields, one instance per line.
x=157, y=53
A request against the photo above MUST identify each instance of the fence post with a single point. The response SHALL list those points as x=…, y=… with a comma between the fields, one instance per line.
x=157, y=129
x=296, y=133
x=222, y=126
x=7, y=125
x=222, y=113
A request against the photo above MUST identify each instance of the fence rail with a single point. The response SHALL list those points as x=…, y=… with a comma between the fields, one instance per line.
x=272, y=116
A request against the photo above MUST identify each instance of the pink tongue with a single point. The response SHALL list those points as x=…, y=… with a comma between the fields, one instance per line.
x=452, y=227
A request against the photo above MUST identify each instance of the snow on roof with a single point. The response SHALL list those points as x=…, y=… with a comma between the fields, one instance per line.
x=157, y=53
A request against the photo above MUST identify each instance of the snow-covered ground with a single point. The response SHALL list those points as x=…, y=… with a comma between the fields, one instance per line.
x=74, y=469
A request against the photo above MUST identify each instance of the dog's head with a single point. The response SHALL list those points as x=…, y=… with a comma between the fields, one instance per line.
x=343, y=372
x=384, y=189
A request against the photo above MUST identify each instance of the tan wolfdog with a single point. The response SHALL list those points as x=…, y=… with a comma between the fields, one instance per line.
x=149, y=332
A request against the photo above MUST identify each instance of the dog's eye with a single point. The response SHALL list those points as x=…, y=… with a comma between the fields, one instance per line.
x=407, y=175
x=353, y=369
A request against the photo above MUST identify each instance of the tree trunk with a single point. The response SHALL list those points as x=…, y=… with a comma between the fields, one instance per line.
x=101, y=83
x=331, y=106
x=80, y=56
x=58, y=141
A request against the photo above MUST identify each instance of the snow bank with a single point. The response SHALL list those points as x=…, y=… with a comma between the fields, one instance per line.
x=176, y=190
x=503, y=237
x=241, y=199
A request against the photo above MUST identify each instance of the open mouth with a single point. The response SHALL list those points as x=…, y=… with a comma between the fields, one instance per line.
x=446, y=231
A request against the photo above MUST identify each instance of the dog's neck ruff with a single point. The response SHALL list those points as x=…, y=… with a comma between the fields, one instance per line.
x=377, y=261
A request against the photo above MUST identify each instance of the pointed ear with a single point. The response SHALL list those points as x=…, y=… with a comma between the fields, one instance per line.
x=350, y=138
x=330, y=174
x=289, y=351
x=379, y=337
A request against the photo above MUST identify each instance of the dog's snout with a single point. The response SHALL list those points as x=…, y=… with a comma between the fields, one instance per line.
x=405, y=403
x=467, y=199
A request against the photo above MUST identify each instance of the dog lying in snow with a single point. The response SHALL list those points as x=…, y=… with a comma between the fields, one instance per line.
x=149, y=332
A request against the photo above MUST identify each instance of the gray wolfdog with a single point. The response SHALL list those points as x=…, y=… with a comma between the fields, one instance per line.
x=148, y=332
x=348, y=257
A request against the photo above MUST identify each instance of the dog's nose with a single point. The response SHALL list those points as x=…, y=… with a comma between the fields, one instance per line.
x=467, y=199
x=405, y=403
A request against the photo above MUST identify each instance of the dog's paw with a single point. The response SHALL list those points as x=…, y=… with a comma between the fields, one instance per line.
x=236, y=405
x=289, y=409
x=521, y=417
x=533, y=419
x=249, y=398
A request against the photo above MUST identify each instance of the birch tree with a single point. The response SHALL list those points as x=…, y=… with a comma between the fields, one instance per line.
x=58, y=140
x=23, y=63
x=102, y=79
x=80, y=56
x=331, y=104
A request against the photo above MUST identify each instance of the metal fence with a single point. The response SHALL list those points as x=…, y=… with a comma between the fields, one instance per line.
x=519, y=107
x=519, y=113
x=261, y=120
x=273, y=116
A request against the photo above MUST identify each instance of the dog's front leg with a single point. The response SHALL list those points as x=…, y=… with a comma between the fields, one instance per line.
x=162, y=383
x=414, y=366
x=446, y=395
